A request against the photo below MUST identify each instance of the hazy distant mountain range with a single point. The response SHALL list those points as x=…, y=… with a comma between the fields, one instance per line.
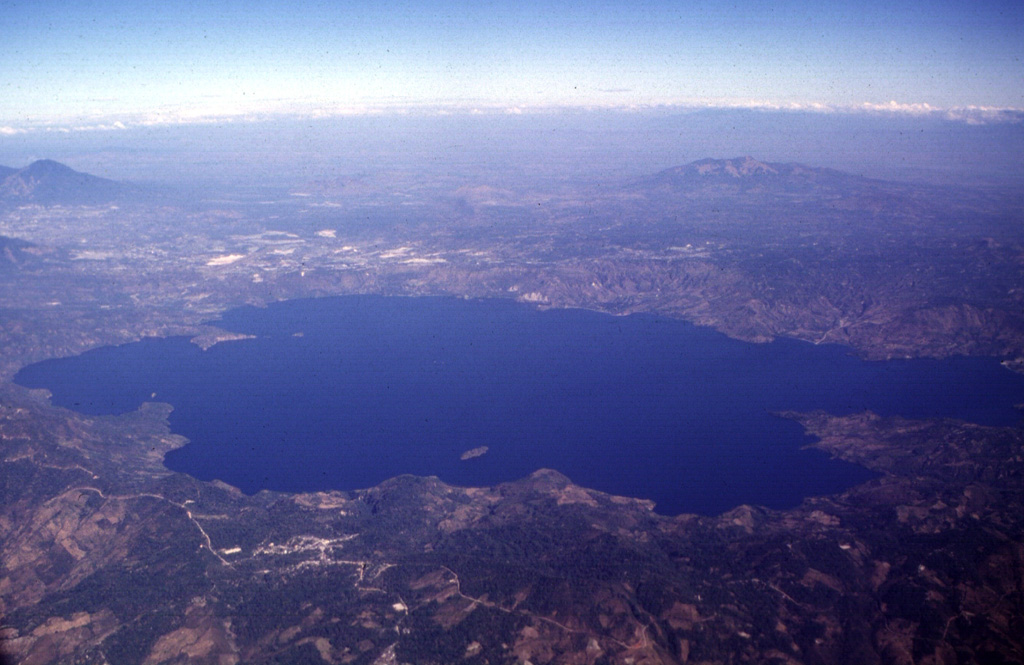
x=746, y=175
x=46, y=182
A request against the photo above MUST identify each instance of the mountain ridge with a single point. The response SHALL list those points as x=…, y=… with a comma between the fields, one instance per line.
x=47, y=182
x=747, y=172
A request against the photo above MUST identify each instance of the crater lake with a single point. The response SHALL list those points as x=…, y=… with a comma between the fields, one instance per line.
x=342, y=393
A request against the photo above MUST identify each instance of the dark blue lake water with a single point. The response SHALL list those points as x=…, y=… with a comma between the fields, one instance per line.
x=343, y=393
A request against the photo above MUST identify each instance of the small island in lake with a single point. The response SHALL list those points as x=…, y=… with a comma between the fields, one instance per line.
x=474, y=452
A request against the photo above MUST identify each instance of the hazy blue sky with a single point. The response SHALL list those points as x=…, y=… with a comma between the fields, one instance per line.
x=94, y=63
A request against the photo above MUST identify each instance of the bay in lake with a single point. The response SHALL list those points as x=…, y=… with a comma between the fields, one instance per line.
x=343, y=393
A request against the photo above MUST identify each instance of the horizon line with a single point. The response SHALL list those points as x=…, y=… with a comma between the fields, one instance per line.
x=289, y=110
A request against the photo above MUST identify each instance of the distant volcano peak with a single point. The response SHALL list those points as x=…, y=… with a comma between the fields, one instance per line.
x=47, y=167
x=47, y=182
x=736, y=168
